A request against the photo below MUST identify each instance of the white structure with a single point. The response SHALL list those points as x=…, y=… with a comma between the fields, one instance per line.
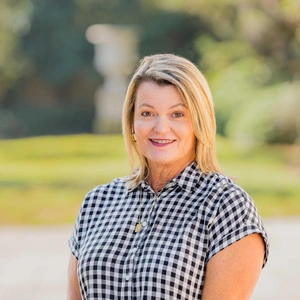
x=115, y=58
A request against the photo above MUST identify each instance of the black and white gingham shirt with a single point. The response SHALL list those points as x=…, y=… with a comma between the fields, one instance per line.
x=194, y=217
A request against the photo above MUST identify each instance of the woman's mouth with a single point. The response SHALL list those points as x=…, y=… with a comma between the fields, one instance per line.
x=161, y=142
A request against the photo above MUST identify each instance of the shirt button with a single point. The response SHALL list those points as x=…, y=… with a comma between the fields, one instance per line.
x=127, y=277
x=144, y=224
x=134, y=249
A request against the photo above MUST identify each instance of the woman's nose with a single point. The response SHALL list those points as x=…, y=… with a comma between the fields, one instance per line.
x=161, y=125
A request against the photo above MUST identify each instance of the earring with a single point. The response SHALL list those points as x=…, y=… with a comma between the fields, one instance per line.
x=133, y=137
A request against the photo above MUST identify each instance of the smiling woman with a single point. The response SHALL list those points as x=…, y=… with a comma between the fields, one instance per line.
x=163, y=131
x=175, y=228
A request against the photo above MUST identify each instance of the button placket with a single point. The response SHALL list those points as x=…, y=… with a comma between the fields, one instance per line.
x=130, y=264
x=147, y=219
x=139, y=236
x=130, y=260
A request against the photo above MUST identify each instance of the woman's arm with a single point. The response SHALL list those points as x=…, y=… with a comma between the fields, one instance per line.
x=233, y=272
x=73, y=290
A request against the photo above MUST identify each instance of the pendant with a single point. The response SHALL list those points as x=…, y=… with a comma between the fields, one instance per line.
x=138, y=227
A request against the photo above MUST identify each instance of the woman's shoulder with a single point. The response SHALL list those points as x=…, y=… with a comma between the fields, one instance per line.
x=223, y=183
x=224, y=191
x=228, y=201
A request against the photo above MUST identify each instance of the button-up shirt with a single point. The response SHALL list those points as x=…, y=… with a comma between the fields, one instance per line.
x=184, y=225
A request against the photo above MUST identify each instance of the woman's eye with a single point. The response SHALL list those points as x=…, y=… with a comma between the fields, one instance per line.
x=178, y=115
x=146, y=114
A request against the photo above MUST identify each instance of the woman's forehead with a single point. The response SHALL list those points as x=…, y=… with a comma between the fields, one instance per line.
x=150, y=92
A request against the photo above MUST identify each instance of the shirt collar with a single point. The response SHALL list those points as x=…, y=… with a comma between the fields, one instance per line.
x=188, y=179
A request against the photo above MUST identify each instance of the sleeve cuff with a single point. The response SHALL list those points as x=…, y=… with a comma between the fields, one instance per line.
x=74, y=247
x=237, y=235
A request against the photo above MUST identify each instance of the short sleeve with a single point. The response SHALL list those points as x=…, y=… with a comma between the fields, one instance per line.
x=83, y=222
x=236, y=218
x=73, y=240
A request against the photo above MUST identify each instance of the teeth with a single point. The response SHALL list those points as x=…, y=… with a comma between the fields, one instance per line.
x=162, y=141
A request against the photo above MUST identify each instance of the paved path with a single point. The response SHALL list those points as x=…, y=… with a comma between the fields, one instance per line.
x=33, y=262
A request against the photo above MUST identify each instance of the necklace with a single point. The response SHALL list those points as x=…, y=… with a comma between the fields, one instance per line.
x=139, y=224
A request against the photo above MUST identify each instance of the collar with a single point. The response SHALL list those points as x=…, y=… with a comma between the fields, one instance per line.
x=188, y=179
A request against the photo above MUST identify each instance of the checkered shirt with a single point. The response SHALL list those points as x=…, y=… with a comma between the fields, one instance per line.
x=193, y=217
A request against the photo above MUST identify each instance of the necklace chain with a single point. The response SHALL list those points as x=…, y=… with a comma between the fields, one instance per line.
x=138, y=226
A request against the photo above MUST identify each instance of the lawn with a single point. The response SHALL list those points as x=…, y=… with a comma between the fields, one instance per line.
x=43, y=180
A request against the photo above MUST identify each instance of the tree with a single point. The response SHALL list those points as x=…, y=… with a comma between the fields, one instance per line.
x=14, y=23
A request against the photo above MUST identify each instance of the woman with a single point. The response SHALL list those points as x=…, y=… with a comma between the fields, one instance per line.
x=176, y=228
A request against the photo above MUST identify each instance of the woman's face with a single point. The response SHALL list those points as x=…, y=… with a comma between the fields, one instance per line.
x=163, y=126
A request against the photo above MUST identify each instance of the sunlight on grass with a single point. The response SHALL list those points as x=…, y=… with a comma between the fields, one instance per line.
x=43, y=180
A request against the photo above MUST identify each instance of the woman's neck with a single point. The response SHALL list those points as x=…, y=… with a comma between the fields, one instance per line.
x=159, y=179
x=159, y=176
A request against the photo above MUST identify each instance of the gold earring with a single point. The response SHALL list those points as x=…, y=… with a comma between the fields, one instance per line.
x=133, y=138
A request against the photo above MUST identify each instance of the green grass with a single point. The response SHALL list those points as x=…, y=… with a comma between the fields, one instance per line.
x=44, y=180
x=270, y=174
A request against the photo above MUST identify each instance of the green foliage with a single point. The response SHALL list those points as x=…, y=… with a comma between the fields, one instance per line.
x=28, y=119
x=14, y=22
x=172, y=32
x=44, y=180
x=249, y=70
x=276, y=110
x=55, y=44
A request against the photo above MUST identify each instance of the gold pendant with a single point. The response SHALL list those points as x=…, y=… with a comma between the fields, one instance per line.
x=138, y=227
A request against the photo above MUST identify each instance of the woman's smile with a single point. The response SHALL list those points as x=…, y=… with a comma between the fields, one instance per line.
x=161, y=142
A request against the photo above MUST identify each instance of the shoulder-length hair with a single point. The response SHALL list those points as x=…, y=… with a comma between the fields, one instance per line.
x=166, y=69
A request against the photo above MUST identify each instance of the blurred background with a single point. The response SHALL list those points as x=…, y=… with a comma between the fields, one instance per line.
x=64, y=67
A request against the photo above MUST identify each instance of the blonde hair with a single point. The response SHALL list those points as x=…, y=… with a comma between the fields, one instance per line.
x=185, y=76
